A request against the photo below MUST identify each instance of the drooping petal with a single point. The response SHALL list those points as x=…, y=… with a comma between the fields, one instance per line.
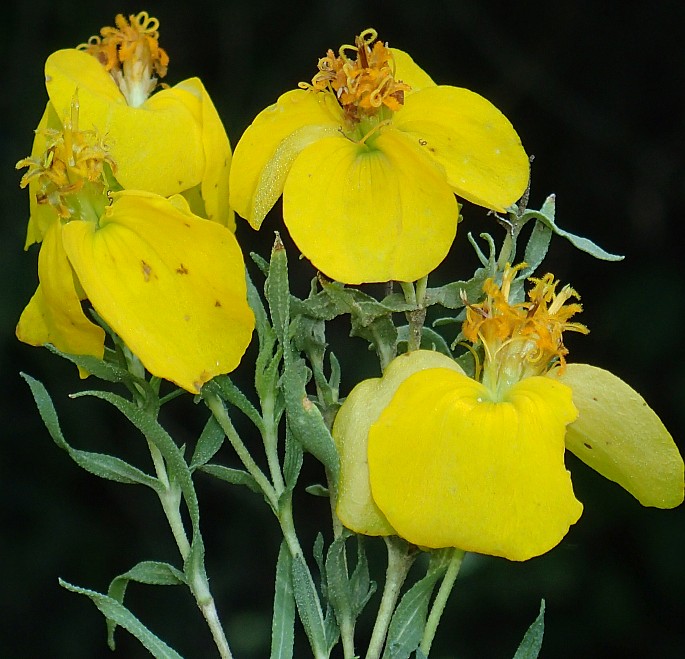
x=172, y=285
x=451, y=468
x=406, y=70
x=157, y=146
x=355, y=506
x=369, y=213
x=475, y=143
x=621, y=437
x=54, y=314
x=267, y=148
x=217, y=150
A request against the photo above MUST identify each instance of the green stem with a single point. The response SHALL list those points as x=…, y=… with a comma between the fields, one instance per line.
x=441, y=600
x=205, y=601
x=270, y=438
x=170, y=499
x=218, y=409
x=400, y=559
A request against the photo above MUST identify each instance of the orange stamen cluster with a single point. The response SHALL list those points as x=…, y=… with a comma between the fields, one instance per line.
x=365, y=84
x=134, y=39
x=530, y=331
x=71, y=158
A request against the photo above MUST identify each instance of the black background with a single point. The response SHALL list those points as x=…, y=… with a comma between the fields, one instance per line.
x=596, y=92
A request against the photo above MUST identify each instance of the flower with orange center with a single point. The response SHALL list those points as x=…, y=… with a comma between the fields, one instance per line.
x=369, y=157
x=445, y=460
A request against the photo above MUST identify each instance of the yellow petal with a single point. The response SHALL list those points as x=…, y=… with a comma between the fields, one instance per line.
x=172, y=285
x=157, y=147
x=475, y=143
x=369, y=214
x=265, y=152
x=41, y=215
x=54, y=314
x=217, y=150
x=451, y=468
x=355, y=506
x=622, y=438
x=406, y=70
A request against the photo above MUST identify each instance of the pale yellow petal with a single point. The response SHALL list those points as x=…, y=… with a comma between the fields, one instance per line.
x=451, y=468
x=170, y=284
x=355, y=506
x=369, y=213
x=621, y=437
x=265, y=152
x=475, y=143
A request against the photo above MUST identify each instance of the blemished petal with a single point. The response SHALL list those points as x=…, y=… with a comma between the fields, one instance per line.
x=621, y=437
x=217, y=150
x=267, y=148
x=451, y=468
x=157, y=146
x=355, y=506
x=54, y=314
x=170, y=284
x=369, y=213
x=475, y=143
x=408, y=71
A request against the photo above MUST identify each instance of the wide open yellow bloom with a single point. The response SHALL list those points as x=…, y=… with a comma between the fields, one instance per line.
x=368, y=159
x=454, y=462
x=169, y=283
x=169, y=142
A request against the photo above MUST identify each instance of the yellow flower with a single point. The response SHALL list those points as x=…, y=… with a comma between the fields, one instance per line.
x=479, y=465
x=169, y=283
x=368, y=159
x=168, y=143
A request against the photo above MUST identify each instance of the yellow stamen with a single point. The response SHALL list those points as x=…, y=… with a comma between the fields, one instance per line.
x=524, y=338
x=71, y=159
x=130, y=52
x=362, y=77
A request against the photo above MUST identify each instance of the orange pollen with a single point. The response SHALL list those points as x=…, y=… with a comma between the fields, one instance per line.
x=365, y=83
x=533, y=330
x=132, y=39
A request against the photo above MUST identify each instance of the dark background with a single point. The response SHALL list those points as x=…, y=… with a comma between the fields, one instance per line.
x=596, y=92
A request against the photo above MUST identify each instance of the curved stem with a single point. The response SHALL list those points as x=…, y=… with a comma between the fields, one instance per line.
x=400, y=559
x=440, y=600
x=218, y=409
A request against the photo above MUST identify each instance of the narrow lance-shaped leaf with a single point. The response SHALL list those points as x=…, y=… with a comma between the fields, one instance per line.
x=99, y=464
x=120, y=615
x=532, y=640
x=283, y=622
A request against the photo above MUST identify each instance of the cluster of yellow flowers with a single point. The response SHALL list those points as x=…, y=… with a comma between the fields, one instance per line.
x=134, y=215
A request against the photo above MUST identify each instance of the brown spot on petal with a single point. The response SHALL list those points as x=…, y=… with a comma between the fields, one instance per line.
x=586, y=445
x=182, y=270
x=217, y=303
x=186, y=317
x=147, y=270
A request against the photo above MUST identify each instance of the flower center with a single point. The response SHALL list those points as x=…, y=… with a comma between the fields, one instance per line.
x=362, y=78
x=131, y=54
x=71, y=173
x=524, y=339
